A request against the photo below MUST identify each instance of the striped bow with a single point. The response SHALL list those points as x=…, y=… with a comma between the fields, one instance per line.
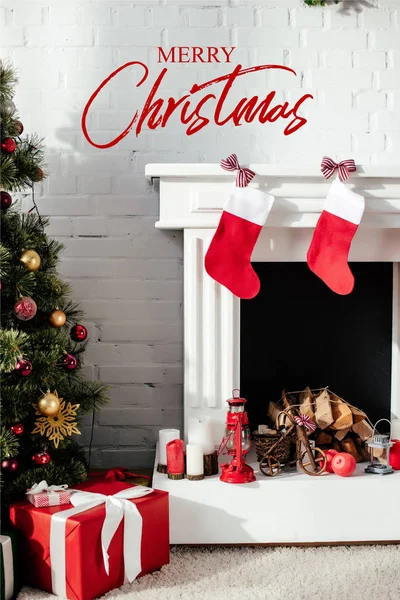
x=328, y=167
x=305, y=421
x=244, y=175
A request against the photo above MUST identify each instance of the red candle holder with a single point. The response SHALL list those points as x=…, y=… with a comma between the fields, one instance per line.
x=175, y=459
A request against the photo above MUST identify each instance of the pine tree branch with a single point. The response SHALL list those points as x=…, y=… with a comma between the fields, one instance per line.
x=12, y=344
x=8, y=172
x=29, y=166
x=5, y=261
x=92, y=394
x=9, y=444
x=70, y=474
x=8, y=81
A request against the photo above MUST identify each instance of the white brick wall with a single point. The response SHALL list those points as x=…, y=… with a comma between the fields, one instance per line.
x=127, y=274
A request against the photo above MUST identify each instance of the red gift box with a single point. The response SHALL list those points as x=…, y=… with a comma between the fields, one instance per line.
x=86, y=577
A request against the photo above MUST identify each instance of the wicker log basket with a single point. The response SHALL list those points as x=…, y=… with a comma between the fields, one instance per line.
x=264, y=441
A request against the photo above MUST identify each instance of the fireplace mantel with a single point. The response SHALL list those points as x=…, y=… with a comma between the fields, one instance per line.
x=191, y=198
x=192, y=195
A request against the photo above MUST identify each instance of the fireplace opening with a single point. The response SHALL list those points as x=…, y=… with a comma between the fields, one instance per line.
x=296, y=332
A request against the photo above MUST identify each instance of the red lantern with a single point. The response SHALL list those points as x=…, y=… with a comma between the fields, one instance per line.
x=237, y=442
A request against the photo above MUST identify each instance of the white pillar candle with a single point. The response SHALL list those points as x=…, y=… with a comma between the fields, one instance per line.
x=396, y=429
x=194, y=459
x=165, y=436
x=201, y=432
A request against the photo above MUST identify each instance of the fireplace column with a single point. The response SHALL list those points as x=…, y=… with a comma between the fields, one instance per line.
x=212, y=336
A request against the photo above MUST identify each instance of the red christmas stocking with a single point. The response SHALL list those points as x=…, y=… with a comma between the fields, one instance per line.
x=228, y=256
x=328, y=254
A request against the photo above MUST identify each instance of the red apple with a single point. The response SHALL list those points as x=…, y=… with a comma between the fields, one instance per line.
x=329, y=457
x=343, y=464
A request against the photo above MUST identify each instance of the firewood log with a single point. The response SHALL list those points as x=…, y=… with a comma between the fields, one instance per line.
x=349, y=446
x=336, y=446
x=363, y=429
x=342, y=415
x=306, y=403
x=358, y=415
x=323, y=439
x=323, y=412
x=339, y=435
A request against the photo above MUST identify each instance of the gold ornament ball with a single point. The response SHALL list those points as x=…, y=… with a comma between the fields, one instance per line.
x=31, y=260
x=48, y=404
x=57, y=318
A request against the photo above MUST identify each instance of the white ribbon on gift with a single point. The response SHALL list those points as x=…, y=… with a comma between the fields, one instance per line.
x=51, y=490
x=117, y=507
x=8, y=567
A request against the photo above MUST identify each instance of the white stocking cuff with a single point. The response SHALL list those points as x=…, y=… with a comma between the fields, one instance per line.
x=250, y=204
x=344, y=203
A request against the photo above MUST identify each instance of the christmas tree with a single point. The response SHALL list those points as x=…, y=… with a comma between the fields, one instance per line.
x=42, y=340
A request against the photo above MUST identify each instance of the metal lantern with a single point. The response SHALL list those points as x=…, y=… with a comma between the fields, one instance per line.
x=236, y=442
x=379, y=450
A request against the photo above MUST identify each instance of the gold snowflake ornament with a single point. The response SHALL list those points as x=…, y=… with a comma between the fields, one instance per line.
x=57, y=427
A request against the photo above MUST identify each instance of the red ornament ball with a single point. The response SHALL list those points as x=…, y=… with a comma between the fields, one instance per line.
x=78, y=333
x=10, y=465
x=41, y=458
x=18, y=428
x=70, y=362
x=344, y=464
x=25, y=309
x=23, y=368
x=19, y=127
x=6, y=200
x=8, y=146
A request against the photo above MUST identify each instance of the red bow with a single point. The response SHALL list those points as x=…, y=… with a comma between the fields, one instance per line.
x=328, y=167
x=244, y=175
x=119, y=473
x=305, y=421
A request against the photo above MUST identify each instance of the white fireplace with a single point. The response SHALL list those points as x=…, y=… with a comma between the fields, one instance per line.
x=191, y=198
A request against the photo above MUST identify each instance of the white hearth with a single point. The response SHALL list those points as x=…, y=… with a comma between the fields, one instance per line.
x=191, y=198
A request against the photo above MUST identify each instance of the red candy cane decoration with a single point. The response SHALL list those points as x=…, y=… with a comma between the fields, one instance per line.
x=244, y=175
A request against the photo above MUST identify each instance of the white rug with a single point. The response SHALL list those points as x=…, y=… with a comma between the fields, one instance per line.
x=326, y=573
